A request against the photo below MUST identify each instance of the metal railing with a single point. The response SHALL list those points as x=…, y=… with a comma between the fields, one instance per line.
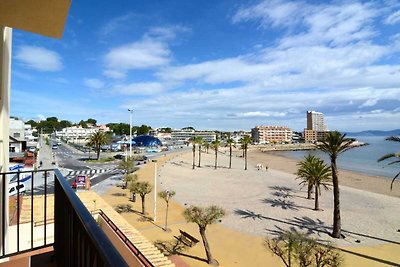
x=78, y=241
x=139, y=255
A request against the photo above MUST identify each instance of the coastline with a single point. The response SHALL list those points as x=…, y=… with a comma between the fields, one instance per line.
x=375, y=184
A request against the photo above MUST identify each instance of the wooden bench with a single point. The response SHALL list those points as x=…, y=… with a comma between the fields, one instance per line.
x=187, y=239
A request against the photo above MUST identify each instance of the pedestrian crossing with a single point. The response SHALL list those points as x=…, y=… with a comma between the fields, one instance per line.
x=91, y=172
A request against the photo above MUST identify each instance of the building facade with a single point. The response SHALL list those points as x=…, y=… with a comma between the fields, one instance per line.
x=183, y=136
x=316, y=127
x=271, y=134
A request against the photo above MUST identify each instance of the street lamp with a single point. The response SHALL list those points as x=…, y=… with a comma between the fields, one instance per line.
x=130, y=132
x=155, y=190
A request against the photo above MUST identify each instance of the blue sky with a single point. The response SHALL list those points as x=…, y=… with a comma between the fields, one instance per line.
x=225, y=64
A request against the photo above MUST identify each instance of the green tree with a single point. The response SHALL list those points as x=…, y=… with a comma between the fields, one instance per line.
x=334, y=144
x=91, y=121
x=32, y=123
x=141, y=130
x=204, y=217
x=128, y=166
x=142, y=188
x=132, y=179
x=230, y=143
x=314, y=173
x=395, y=156
x=166, y=195
x=245, y=141
x=119, y=128
x=296, y=249
x=83, y=124
x=215, y=145
x=98, y=139
x=64, y=124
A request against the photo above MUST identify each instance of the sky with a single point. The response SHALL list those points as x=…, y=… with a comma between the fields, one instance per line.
x=222, y=65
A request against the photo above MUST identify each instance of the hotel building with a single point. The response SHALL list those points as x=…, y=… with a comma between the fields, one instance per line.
x=271, y=134
x=316, y=128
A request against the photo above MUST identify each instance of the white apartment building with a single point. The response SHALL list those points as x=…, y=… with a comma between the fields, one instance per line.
x=76, y=133
x=316, y=127
x=271, y=134
x=184, y=135
x=315, y=121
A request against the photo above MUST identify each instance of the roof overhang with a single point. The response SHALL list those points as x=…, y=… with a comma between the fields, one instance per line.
x=44, y=17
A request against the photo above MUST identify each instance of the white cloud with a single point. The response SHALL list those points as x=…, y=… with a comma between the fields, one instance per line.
x=271, y=13
x=39, y=58
x=116, y=24
x=114, y=74
x=166, y=33
x=369, y=103
x=93, y=83
x=146, y=88
x=143, y=54
x=393, y=18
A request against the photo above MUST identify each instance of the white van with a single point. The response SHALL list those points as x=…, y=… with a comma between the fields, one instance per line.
x=13, y=189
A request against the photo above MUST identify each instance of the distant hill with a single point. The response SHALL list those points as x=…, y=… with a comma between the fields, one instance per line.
x=375, y=133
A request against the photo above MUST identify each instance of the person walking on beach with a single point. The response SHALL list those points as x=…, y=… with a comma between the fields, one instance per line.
x=266, y=167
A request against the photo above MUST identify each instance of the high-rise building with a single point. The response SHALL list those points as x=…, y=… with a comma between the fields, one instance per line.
x=315, y=121
x=316, y=128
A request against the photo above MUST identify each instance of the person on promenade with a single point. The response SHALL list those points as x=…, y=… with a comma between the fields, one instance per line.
x=266, y=167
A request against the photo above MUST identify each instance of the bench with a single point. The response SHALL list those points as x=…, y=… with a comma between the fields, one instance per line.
x=187, y=239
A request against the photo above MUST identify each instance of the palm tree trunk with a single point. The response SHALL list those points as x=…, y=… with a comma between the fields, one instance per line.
x=309, y=189
x=143, y=205
x=245, y=159
x=216, y=158
x=98, y=153
x=199, y=155
x=336, y=233
x=316, y=198
x=166, y=218
x=194, y=155
x=210, y=259
x=230, y=157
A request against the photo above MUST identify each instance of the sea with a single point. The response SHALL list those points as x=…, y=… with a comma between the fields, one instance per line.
x=360, y=159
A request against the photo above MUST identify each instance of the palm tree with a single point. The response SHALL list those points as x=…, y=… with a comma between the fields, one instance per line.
x=245, y=141
x=334, y=144
x=199, y=143
x=193, y=140
x=215, y=145
x=128, y=167
x=231, y=143
x=396, y=157
x=166, y=195
x=315, y=173
x=203, y=217
x=98, y=139
x=206, y=145
x=142, y=188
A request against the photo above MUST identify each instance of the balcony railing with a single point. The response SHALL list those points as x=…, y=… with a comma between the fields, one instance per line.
x=65, y=224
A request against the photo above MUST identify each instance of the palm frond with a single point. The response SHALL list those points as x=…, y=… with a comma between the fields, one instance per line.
x=394, y=178
x=394, y=162
x=387, y=156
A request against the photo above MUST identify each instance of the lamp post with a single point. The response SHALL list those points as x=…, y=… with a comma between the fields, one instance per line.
x=155, y=190
x=130, y=132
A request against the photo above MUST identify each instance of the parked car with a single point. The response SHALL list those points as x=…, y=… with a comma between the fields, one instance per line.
x=54, y=146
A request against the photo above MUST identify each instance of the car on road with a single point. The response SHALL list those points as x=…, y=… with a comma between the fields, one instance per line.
x=54, y=146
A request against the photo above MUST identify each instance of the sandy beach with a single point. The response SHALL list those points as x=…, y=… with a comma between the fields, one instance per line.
x=376, y=184
x=262, y=204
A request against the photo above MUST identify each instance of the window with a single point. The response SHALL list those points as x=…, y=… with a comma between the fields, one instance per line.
x=17, y=135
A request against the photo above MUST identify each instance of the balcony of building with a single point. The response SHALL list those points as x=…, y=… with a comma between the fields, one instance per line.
x=49, y=224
